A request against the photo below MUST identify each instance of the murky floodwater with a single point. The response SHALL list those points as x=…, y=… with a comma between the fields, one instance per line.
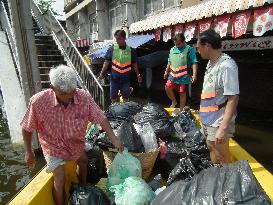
x=13, y=172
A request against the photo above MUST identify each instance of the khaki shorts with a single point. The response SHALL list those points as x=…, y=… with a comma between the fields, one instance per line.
x=210, y=132
x=52, y=163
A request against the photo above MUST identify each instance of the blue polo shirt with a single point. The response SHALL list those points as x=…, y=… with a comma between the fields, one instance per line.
x=191, y=58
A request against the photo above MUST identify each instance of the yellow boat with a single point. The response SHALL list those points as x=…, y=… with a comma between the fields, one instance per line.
x=39, y=190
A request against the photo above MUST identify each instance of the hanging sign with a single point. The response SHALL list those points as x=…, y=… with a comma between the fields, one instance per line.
x=248, y=44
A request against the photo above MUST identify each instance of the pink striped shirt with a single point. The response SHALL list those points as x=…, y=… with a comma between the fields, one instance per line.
x=61, y=130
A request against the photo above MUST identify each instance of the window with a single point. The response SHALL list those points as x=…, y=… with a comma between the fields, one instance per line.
x=169, y=3
x=112, y=18
x=93, y=23
x=147, y=7
x=118, y=16
x=117, y=10
x=157, y=5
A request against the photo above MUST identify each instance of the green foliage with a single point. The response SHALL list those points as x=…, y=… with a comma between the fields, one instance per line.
x=45, y=5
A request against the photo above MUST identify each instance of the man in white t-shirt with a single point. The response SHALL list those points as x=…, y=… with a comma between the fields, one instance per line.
x=220, y=96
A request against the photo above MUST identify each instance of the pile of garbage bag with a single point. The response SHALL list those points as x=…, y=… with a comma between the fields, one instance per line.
x=184, y=161
x=231, y=184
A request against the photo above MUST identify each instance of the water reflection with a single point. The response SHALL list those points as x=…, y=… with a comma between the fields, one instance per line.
x=13, y=172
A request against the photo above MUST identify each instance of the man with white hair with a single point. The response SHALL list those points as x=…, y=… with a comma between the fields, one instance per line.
x=60, y=116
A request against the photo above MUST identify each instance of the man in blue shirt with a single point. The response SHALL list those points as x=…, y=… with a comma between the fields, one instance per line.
x=122, y=59
x=181, y=70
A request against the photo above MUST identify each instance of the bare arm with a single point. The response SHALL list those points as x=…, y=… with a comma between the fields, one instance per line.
x=229, y=111
x=167, y=71
x=135, y=66
x=194, y=72
x=194, y=69
x=27, y=136
x=104, y=69
x=29, y=154
x=109, y=132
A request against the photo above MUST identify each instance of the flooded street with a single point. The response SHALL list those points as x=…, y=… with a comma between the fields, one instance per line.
x=254, y=132
x=13, y=173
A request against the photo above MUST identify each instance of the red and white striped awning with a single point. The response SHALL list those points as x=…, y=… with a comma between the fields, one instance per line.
x=82, y=43
x=196, y=12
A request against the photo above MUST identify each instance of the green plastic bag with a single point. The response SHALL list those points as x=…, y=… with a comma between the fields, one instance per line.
x=124, y=165
x=134, y=191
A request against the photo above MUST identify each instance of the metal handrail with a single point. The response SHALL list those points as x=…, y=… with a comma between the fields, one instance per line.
x=11, y=39
x=50, y=25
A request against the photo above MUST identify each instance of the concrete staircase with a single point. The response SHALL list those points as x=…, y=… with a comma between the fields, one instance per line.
x=48, y=56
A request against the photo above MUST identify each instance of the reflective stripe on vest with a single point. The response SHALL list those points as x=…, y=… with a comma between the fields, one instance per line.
x=121, y=71
x=121, y=60
x=177, y=75
x=178, y=63
x=209, y=110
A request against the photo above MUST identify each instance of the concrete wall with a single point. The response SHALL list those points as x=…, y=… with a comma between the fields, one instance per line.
x=103, y=20
x=13, y=96
x=83, y=24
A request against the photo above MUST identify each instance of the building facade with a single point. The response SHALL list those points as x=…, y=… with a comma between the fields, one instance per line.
x=91, y=21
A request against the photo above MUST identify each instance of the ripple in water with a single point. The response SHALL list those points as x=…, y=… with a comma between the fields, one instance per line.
x=14, y=174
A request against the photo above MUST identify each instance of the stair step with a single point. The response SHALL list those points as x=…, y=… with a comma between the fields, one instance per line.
x=45, y=41
x=44, y=77
x=46, y=47
x=50, y=58
x=50, y=63
x=45, y=84
x=44, y=70
x=43, y=37
x=48, y=52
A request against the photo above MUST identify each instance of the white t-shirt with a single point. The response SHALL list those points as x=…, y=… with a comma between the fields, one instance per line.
x=227, y=85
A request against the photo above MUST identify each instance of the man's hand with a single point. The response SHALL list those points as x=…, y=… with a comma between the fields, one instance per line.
x=100, y=77
x=166, y=74
x=139, y=79
x=193, y=79
x=30, y=159
x=220, y=137
x=118, y=144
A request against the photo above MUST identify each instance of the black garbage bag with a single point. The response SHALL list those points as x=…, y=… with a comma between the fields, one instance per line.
x=231, y=184
x=159, y=119
x=93, y=133
x=88, y=195
x=104, y=142
x=172, y=157
x=96, y=165
x=184, y=123
x=127, y=134
x=188, y=167
x=195, y=143
x=156, y=182
x=191, y=147
x=123, y=111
